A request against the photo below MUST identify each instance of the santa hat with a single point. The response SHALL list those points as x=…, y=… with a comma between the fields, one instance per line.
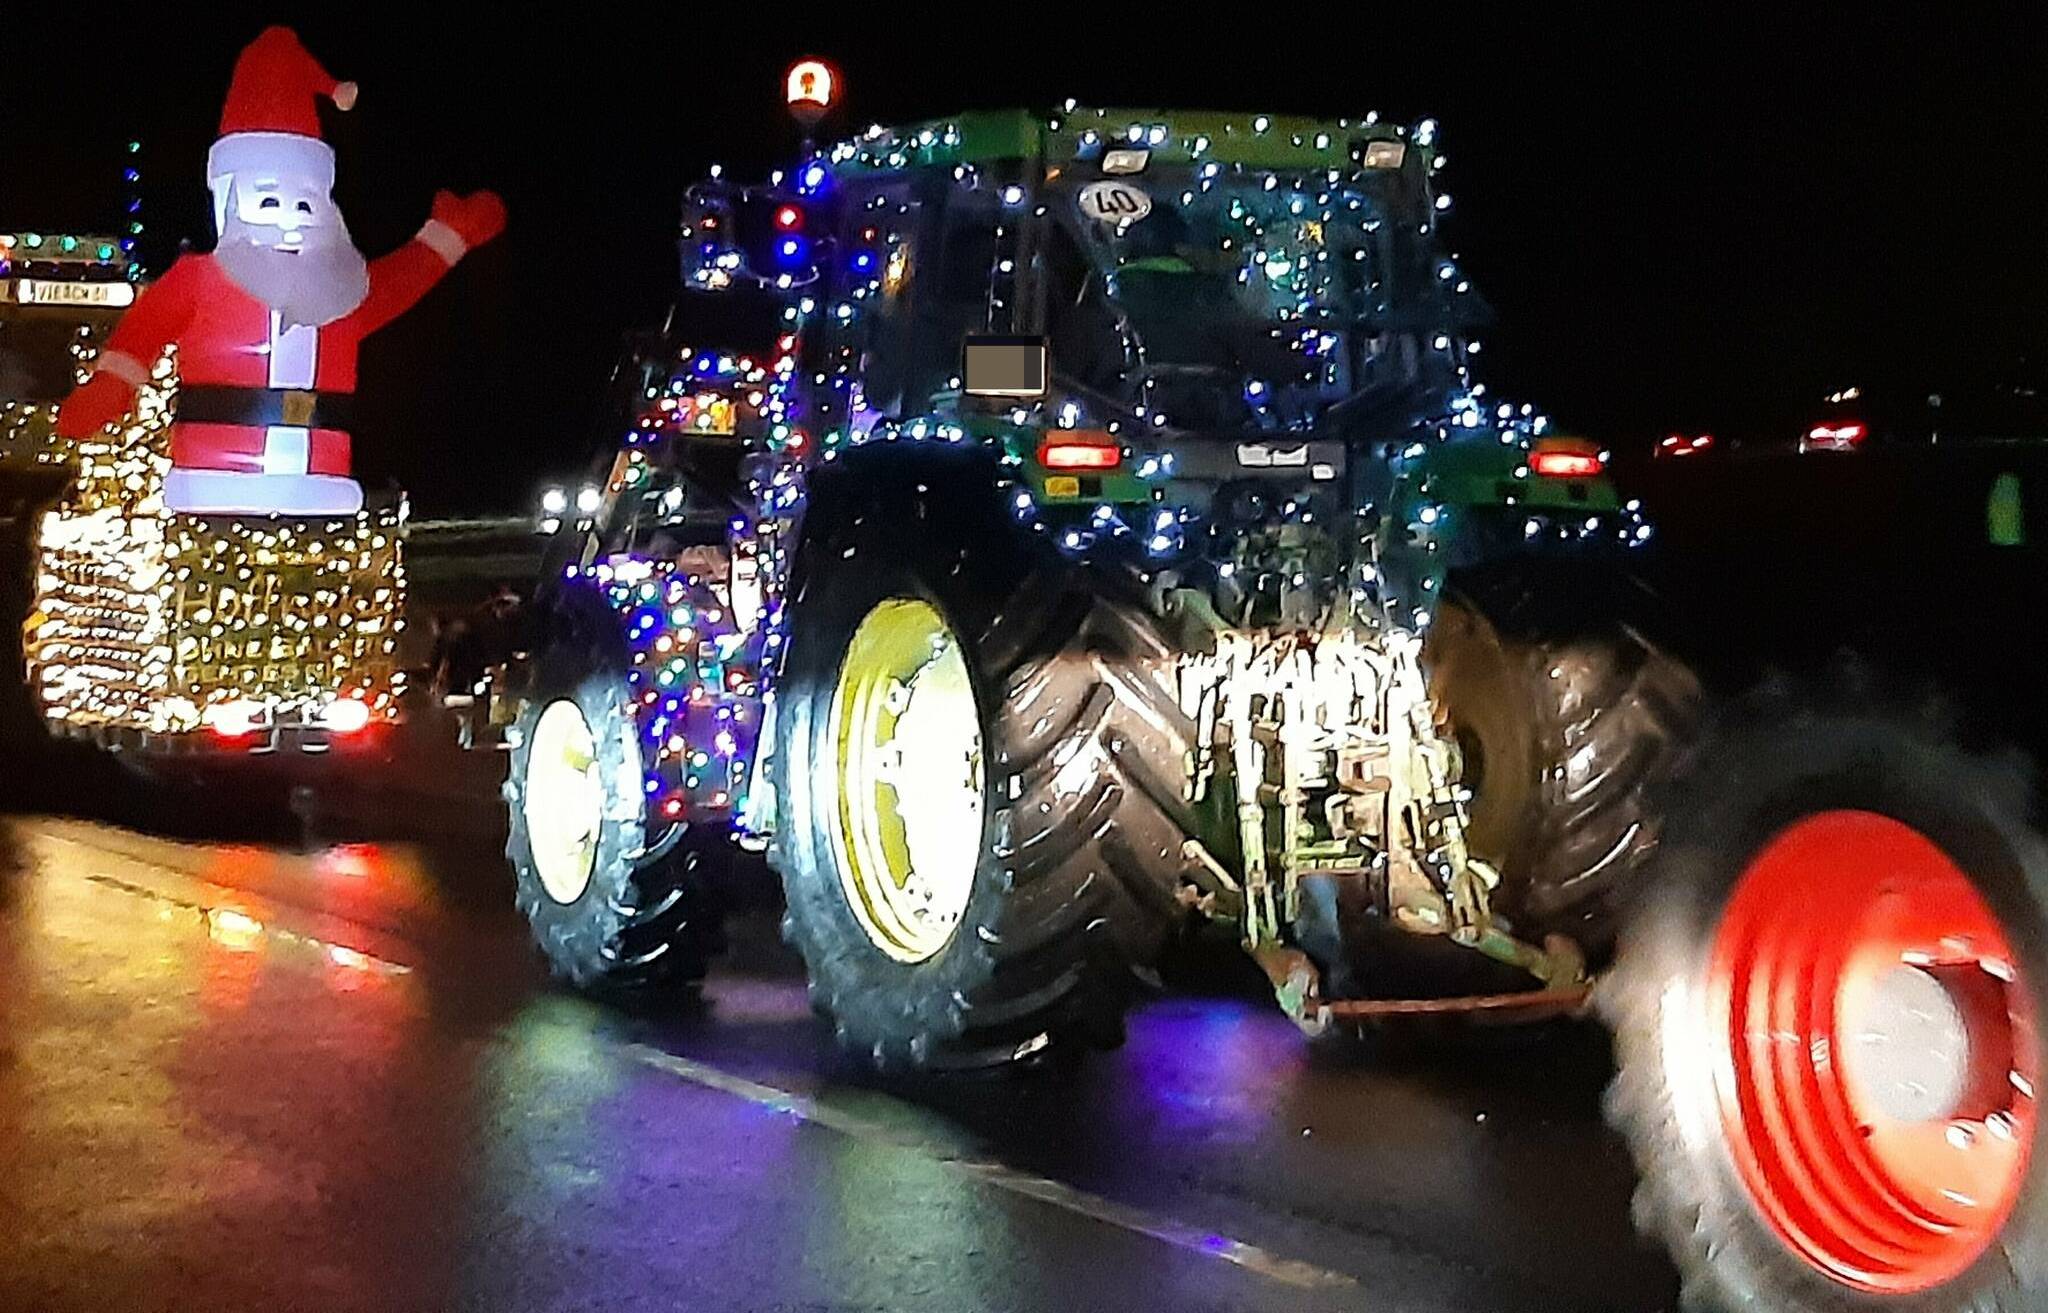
x=272, y=118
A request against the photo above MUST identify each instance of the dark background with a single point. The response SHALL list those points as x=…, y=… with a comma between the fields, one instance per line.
x=1697, y=223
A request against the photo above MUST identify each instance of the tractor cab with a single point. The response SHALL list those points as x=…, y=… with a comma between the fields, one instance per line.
x=1238, y=300
x=1188, y=273
x=1190, y=337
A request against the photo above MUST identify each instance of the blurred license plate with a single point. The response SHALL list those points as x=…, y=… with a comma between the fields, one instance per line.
x=37, y=291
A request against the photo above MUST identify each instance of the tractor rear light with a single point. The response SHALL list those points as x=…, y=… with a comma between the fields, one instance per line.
x=1565, y=464
x=233, y=719
x=1567, y=459
x=1075, y=450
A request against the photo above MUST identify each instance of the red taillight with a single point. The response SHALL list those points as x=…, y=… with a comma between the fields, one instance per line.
x=1566, y=464
x=1073, y=450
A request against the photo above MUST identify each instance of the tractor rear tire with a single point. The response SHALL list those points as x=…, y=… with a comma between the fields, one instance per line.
x=617, y=904
x=1568, y=717
x=1804, y=1143
x=1037, y=921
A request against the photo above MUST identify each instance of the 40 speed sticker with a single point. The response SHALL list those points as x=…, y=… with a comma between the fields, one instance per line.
x=1115, y=201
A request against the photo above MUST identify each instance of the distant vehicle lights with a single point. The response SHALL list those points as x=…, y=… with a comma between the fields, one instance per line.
x=1678, y=444
x=1845, y=436
x=557, y=504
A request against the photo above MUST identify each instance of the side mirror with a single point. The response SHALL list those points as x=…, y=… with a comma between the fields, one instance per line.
x=1005, y=368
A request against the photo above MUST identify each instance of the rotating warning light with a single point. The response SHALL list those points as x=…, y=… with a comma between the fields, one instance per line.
x=811, y=88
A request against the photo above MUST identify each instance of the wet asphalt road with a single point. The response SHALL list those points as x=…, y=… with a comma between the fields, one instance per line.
x=240, y=1077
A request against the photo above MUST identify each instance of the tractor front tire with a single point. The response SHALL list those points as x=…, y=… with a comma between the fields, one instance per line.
x=610, y=913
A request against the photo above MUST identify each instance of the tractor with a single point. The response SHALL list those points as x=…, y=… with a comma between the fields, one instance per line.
x=1043, y=531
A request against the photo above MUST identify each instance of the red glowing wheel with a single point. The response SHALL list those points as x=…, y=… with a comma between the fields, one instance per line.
x=1826, y=1020
x=1877, y=1071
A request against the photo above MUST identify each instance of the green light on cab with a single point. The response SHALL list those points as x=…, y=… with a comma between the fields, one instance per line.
x=106, y=252
x=69, y=243
x=33, y=239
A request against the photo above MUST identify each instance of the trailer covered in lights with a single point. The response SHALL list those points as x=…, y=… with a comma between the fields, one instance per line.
x=153, y=631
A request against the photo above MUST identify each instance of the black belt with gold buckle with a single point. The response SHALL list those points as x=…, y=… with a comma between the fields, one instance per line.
x=265, y=407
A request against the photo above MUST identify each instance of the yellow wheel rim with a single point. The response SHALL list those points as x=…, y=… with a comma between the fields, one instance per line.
x=564, y=802
x=906, y=732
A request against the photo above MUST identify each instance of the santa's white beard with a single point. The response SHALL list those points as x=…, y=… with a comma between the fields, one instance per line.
x=317, y=284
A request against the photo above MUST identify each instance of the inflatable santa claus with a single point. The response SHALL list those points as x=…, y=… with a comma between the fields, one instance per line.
x=267, y=326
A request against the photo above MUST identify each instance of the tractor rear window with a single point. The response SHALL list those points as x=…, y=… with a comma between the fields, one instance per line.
x=1240, y=249
x=1241, y=302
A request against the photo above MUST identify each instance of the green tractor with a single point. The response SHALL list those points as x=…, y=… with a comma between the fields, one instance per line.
x=1093, y=526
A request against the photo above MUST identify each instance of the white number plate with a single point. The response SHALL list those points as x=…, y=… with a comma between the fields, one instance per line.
x=37, y=291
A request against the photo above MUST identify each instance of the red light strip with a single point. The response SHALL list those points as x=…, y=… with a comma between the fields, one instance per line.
x=1068, y=454
x=1566, y=464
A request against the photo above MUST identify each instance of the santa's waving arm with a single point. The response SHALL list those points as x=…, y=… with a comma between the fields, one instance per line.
x=156, y=320
x=459, y=225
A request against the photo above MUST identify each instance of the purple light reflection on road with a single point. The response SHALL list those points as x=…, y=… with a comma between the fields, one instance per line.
x=1209, y=1068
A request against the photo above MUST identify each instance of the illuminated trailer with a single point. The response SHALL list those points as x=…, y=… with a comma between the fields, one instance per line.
x=158, y=632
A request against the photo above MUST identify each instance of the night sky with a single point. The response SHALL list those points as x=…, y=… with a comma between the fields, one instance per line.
x=1680, y=223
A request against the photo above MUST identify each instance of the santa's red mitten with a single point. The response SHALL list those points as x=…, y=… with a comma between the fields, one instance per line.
x=469, y=220
x=101, y=400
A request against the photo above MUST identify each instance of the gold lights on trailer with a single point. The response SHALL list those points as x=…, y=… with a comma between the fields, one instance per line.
x=151, y=621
